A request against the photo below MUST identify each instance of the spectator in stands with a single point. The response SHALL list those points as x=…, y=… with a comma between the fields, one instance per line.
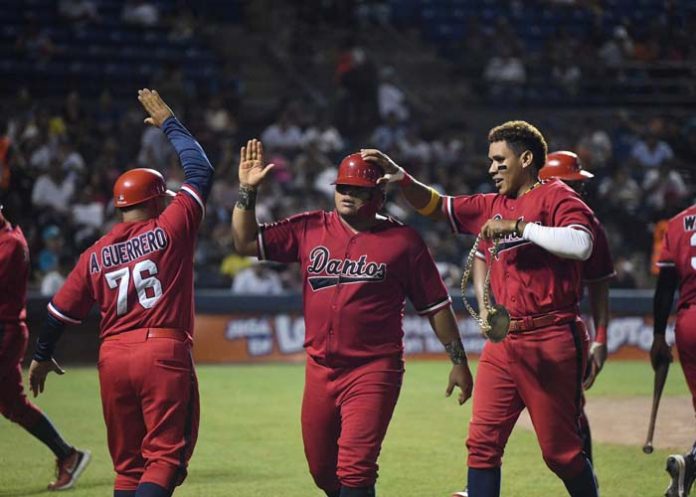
x=140, y=13
x=233, y=262
x=71, y=160
x=54, y=189
x=357, y=80
x=219, y=120
x=616, y=50
x=155, y=150
x=391, y=98
x=650, y=151
x=258, y=279
x=309, y=165
x=505, y=74
x=664, y=188
x=387, y=135
x=106, y=116
x=283, y=136
x=413, y=149
x=53, y=247
x=625, y=274
x=619, y=191
x=567, y=76
x=54, y=279
x=594, y=147
x=327, y=136
x=88, y=216
x=78, y=11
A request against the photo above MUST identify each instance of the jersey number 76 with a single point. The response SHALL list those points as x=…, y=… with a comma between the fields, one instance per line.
x=121, y=279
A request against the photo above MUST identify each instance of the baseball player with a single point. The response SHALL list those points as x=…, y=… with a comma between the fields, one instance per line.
x=141, y=275
x=597, y=271
x=677, y=264
x=14, y=334
x=544, y=232
x=358, y=267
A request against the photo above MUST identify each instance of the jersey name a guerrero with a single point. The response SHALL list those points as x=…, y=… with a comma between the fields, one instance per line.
x=140, y=273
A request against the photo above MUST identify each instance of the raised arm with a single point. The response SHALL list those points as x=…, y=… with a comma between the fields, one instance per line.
x=251, y=174
x=424, y=199
x=198, y=172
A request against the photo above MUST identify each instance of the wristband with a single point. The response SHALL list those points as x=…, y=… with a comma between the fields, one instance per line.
x=431, y=206
x=517, y=227
x=601, y=335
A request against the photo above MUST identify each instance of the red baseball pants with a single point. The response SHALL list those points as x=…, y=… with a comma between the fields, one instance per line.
x=150, y=402
x=345, y=415
x=685, y=334
x=14, y=404
x=542, y=370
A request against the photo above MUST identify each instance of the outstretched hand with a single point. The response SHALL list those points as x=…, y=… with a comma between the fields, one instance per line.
x=460, y=376
x=38, y=372
x=155, y=106
x=251, y=168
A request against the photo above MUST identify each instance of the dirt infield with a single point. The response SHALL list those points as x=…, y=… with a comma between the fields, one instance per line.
x=625, y=421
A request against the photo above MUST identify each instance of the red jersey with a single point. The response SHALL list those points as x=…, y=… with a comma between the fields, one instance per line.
x=525, y=278
x=355, y=284
x=140, y=273
x=679, y=251
x=600, y=265
x=14, y=272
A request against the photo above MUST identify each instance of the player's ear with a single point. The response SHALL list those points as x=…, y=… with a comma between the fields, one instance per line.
x=526, y=158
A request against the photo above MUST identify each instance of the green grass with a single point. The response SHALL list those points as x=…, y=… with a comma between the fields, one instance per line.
x=250, y=445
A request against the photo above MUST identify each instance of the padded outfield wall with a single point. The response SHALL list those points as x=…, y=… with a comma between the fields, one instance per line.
x=234, y=329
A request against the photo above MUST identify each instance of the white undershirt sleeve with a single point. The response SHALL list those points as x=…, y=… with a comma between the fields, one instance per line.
x=565, y=242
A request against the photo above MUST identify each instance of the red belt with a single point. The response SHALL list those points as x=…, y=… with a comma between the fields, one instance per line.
x=528, y=323
x=145, y=333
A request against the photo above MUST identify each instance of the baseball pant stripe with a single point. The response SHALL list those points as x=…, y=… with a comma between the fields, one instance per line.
x=580, y=368
x=187, y=449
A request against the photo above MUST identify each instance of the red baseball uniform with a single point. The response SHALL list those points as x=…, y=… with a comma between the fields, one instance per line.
x=14, y=334
x=540, y=364
x=355, y=286
x=679, y=251
x=600, y=265
x=141, y=276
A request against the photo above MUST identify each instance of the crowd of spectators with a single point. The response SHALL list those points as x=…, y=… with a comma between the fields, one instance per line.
x=59, y=163
x=59, y=159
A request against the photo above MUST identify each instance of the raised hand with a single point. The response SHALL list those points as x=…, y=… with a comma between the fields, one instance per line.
x=155, y=106
x=38, y=372
x=251, y=168
x=393, y=173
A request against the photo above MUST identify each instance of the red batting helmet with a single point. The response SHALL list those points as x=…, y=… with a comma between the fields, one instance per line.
x=139, y=185
x=356, y=171
x=565, y=166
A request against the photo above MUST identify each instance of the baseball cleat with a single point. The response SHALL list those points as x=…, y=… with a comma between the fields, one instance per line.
x=682, y=470
x=69, y=470
x=463, y=493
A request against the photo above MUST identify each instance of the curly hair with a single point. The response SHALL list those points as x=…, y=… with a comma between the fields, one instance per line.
x=521, y=136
